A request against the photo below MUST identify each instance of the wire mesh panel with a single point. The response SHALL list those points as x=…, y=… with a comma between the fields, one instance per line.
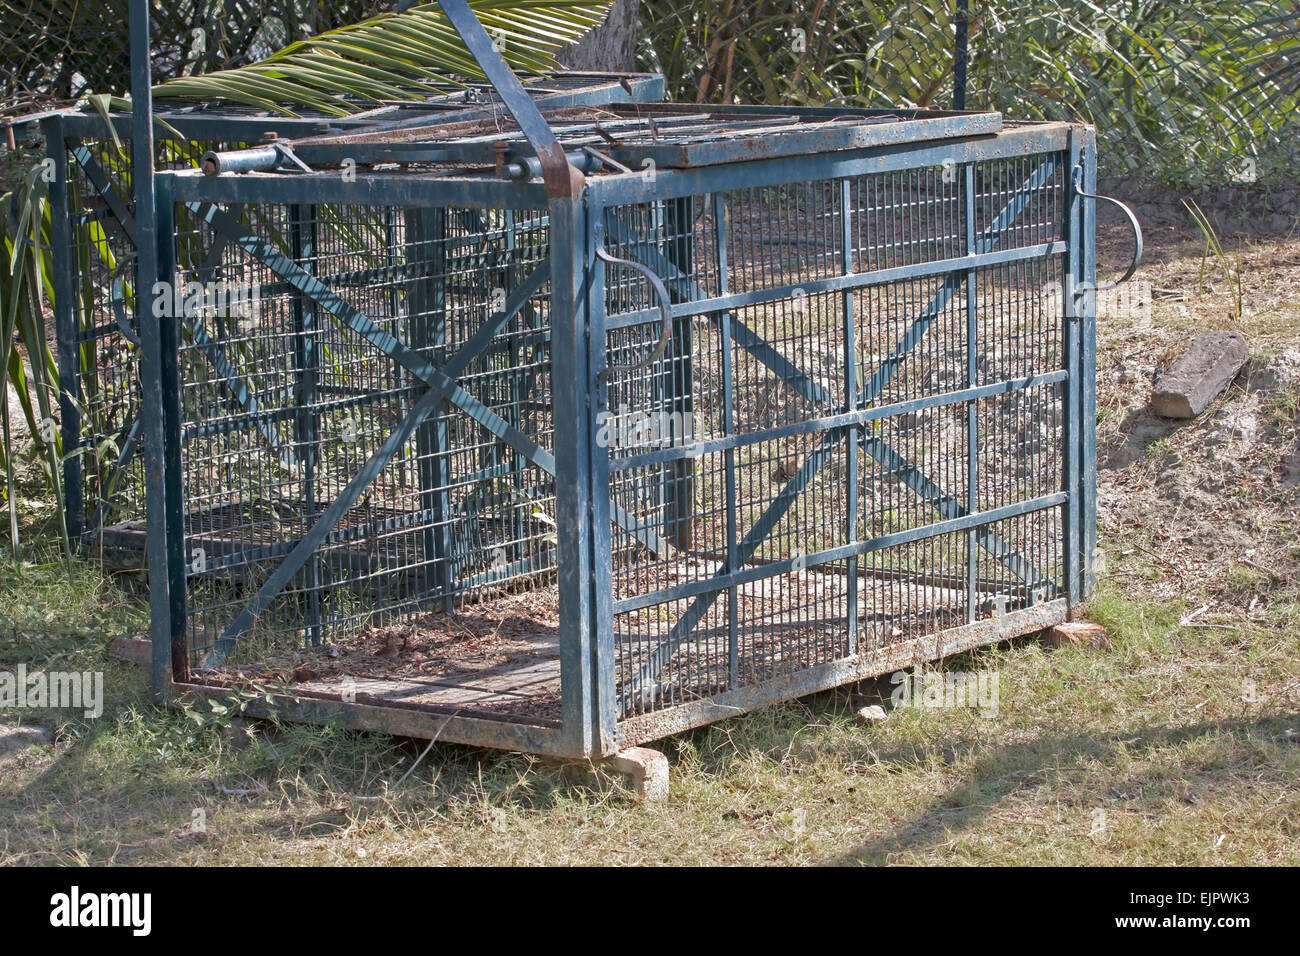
x=841, y=394
x=101, y=333
x=293, y=420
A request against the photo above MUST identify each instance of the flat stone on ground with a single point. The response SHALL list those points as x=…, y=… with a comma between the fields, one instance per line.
x=14, y=739
x=1197, y=378
x=873, y=714
x=647, y=773
x=1078, y=632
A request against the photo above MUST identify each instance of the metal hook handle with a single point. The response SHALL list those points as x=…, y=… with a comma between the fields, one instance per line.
x=1132, y=221
x=661, y=291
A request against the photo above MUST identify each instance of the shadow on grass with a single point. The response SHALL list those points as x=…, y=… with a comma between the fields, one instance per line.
x=1013, y=768
x=135, y=777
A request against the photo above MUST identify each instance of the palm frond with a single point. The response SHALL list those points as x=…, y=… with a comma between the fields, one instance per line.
x=393, y=56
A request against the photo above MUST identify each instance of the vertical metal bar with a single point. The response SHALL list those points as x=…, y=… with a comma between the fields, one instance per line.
x=972, y=407
x=605, y=712
x=516, y=365
x=1088, y=367
x=850, y=399
x=729, y=456
x=573, y=473
x=151, y=379
x=961, y=55
x=302, y=240
x=170, y=379
x=65, y=326
x=1072, y=434
x=426, y=248
x=679, y=378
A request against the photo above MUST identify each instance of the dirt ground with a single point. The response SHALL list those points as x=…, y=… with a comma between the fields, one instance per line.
x=1214, y=500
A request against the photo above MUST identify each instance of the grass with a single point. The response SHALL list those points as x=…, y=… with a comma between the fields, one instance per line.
x=1153, y=739
x=1180, y=745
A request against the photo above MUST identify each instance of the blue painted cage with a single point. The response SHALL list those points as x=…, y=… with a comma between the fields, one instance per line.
x=755, y=402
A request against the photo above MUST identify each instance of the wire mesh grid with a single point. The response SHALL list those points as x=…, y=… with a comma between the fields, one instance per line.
x=790, y=429
x=284, y=410
x=104, y=336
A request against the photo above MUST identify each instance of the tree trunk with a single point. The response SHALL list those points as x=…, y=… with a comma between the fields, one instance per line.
x=610, y=47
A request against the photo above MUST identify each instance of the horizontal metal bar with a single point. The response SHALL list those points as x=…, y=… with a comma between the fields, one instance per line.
x=858, y=417
x=244, y=421
x=379, y=188
x=718, y=583
x=1012, y=142
x=390, y=717
x=856, y=280
x=223, y=123
x=644, y=728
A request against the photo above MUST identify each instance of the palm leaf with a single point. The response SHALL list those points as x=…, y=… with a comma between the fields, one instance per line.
x=393, y=56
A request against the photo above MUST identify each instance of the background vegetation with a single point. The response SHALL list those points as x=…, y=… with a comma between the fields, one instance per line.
x=1182, y=91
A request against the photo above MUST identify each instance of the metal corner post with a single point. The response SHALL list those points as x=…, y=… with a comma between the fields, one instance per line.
x=1074, y=298
x=572, y=410
x=153, y=416
x=604, y=701
x=1088, y=369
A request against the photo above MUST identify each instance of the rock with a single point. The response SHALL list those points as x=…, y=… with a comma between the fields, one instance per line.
x=1197, y=378
x=134, y=650
x=646, y=771
x=14, y=740
x=1078, y=632
x=875, y=714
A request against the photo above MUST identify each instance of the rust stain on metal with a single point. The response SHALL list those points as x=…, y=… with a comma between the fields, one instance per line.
x=562, y=180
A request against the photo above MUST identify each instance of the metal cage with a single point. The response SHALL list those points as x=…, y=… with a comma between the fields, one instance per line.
x=762, y=401
x=564, y=421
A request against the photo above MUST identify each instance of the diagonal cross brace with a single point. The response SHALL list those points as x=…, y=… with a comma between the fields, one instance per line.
x=796, y=379
x=987, y=240
x=441, y=384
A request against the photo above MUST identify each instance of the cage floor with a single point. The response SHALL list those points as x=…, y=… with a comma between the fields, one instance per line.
x=498, y=657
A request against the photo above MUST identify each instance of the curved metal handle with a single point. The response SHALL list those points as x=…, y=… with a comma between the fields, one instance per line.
x=117, y=294
x=1132, y=221
x=661, y=291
